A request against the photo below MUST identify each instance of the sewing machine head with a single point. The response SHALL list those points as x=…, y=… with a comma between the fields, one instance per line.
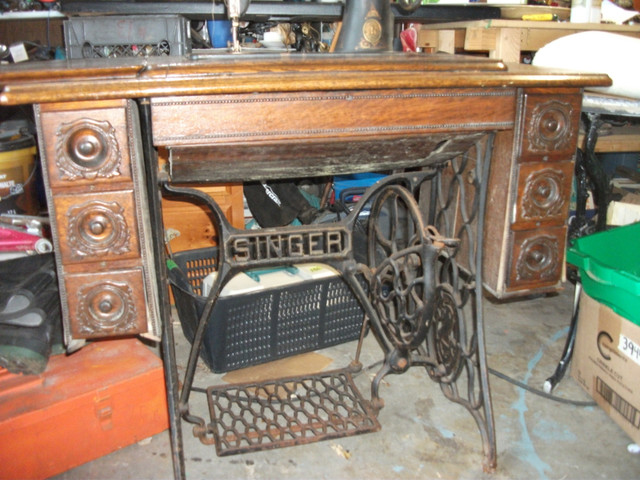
x=367, y=25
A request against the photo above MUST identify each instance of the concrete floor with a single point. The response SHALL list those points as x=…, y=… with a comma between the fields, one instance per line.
x=423, y=435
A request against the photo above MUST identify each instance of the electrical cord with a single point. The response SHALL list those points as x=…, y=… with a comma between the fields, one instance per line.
x=506, y=378
x=500, y=375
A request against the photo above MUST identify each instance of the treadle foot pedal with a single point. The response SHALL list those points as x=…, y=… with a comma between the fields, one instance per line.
x=287, y=412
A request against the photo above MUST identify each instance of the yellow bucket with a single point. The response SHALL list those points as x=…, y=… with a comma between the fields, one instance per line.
x=18, y=194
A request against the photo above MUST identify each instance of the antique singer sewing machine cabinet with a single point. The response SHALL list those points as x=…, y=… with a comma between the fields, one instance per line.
x=448, y=128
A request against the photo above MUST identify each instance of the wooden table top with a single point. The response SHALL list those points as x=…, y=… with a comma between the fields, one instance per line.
x=77, y=80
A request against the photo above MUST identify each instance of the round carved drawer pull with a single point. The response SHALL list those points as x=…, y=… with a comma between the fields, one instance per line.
x=87, y=149
x=97, y=228
x=543, y=194
x=538, y=259
x=550, y=126
x=106, y=308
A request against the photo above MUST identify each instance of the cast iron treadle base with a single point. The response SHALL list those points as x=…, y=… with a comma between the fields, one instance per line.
x=286, y=412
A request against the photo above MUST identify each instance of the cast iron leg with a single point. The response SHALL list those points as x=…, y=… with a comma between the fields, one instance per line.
x=167, y=341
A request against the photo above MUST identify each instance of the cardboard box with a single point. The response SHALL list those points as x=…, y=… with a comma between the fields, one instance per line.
x=606, y=362
x=626, y=211
x=106, y=396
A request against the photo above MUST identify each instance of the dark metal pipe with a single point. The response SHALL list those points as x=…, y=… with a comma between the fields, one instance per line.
x=167, y=341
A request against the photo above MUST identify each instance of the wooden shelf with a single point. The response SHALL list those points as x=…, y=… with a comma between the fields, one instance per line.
x=506, y=39
x=623, y=139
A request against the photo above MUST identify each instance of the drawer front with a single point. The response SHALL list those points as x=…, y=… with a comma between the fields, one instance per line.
x=550, y=126
x=544, y=190
x=537, y=258
x=97, y=227
x=106, y=304
x=88, y=147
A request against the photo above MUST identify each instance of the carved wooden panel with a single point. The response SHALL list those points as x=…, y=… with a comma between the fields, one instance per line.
x=537, y=257
x=544, y=190
x=106, y=304
x=97, y=227
x=87, y=147
x=551, y=125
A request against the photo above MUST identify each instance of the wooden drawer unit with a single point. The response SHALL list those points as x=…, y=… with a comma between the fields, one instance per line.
x=98, y=208
x=529, y=194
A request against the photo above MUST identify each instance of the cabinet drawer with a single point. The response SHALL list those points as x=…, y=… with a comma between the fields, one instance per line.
x=106, y=304
x=89, y=147
x=97, y=227
x=551, y=126
x=537, y=257
x=544, y=190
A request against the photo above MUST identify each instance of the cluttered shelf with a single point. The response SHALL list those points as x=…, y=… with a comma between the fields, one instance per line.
x=506, y=39
x=625, y=138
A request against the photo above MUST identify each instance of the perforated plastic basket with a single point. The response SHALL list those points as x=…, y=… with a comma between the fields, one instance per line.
x=112, y=36
x=265, y=325
x=609, y=264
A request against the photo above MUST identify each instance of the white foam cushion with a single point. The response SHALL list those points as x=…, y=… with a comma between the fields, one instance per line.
x=597, y=52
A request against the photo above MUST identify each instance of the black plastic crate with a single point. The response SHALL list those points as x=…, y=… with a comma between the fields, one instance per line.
x=115, y=36
x=262, y=326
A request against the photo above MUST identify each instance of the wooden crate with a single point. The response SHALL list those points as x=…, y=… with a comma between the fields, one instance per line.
x=195, y=223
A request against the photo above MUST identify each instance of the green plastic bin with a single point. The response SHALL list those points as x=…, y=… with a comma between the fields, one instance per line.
x=609, y=264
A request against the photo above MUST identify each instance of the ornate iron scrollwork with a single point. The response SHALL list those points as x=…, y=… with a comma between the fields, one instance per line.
x=399, y=253
x=445, y=336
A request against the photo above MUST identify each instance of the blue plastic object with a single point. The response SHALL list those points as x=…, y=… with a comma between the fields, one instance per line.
x=219, y=32
x=354, y=181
